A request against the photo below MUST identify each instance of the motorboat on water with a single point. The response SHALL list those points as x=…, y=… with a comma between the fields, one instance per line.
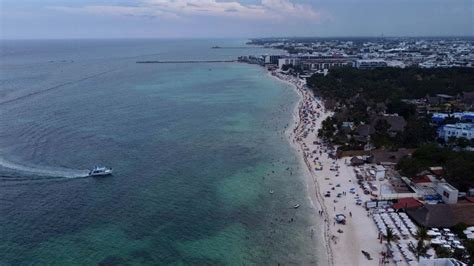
x=100, y=171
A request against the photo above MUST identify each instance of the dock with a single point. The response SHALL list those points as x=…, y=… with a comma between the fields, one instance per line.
x=185, y=61
x=238, y=47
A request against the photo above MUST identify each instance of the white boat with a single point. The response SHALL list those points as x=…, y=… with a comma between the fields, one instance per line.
x=100, y=171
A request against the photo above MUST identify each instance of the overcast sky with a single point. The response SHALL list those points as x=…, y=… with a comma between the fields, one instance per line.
x=36, y=19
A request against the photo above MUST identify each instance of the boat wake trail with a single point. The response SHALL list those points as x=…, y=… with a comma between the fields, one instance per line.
x=18, y=171
x=59, y=86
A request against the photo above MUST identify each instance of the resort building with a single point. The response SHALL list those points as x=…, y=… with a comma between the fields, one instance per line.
x=372, y=63
x=288, y=61
x=271, y=59
x=379, y=171
x=397, y=188
x=324, y=63
x=464, y=116
x=443, y=215
x=314, y=63
x=440, y=262
x=458, y=130
x=449, y=194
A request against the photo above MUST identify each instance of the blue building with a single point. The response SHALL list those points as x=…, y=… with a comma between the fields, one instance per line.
x=438, y=118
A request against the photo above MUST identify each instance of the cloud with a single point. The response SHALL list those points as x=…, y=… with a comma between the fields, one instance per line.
x=280, y=10
x=285, y=7
x=139, y=11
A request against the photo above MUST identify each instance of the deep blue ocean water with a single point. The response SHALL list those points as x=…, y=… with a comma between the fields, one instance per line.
x=196, y=148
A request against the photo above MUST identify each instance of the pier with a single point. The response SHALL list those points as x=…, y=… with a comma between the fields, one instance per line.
x=238, y=47
x=185, y=61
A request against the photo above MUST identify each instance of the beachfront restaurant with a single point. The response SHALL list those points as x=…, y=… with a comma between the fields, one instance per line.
x=397, y=188
x=443, y=215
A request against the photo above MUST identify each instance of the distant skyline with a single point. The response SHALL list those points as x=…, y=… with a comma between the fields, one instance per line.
x=57, y=19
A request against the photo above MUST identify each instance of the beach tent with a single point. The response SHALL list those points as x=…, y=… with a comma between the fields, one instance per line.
x=340, y=218
x=433, y=233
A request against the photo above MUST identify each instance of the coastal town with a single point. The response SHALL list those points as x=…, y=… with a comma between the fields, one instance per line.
x=237, y=132
x=376, y=206
x=314, y=55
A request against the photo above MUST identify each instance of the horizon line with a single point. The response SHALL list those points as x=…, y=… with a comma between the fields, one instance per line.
x=237, y=38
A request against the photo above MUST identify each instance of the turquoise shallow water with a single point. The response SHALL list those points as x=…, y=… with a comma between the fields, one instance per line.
x=195, y=148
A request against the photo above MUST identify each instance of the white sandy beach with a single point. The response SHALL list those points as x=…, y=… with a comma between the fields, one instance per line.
x=344, y=243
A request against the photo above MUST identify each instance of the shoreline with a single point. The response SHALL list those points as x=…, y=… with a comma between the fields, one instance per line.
x=359, y=234
x=312, y=186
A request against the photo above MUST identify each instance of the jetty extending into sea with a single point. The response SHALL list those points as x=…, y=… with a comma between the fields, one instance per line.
x=185, y=61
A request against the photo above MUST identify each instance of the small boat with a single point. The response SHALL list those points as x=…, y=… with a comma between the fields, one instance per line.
x=296, y=206
x=100, y=171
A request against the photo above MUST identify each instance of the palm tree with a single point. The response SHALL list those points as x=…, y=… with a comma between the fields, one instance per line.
x=389, y=235
x=422, y=234
x=421, y=248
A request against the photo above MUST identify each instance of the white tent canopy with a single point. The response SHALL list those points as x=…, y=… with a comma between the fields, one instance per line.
x=467, y=232
x=433, y=233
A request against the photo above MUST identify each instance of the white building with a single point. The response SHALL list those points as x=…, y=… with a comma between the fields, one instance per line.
x=310, y=62
x=379, y=171
x=440, y=262
x=449, y=194
x=370, y=63
x=271, y=59
x=288, y=61
x=458, y=130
